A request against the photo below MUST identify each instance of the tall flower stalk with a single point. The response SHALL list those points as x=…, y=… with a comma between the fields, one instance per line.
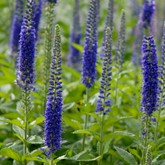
x=148, y=13
x=161, y=84
x=48, y=45
x=74, y=59
x=103, y=103
x=37, y=15
x=53, y=112
x=16, y=27
x=144, y=26
x=149, y=89
x=109, y=19
x=89, y=55
x=25, y=69
x=120, y=49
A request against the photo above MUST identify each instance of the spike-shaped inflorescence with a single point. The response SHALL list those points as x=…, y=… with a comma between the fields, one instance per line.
x=90, y=47
x=37, y=11
x=25, y=72
x=109, y=20
x=150, y=76
x=162, y=73
x=109, y=17
x=120, y=47
x=136, y=56
x=16, y=26
x=53, y=113
x=147, y=13
x=49, y=34
x=74, y=59
x=103, y=103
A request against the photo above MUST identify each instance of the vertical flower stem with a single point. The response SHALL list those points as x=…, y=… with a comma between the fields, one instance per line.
x=26, y=95
x=101, y=138
x=158, y=118
x=86, y=119
x=51, y=161
x=147, y=127
x=117, y=82
x=85, y=124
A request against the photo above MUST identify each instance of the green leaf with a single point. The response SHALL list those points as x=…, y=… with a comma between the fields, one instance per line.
x=84, y=156
x=18, y=122
x=59, y=159
x=36, y=152
x=78, y=47
x=126, y=156
x=19, y=131
x=72, y=123
x=68, y=106
x=123, y=133
x=160, y=142
x=39, y=120
x=157, y=157
x=82, y=131
x=35, y=140
x=10, y=153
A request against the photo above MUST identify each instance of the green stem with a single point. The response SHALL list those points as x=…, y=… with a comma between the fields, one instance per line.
x=26, y=103
x=86, y=122
x=84, y=136
x=157, y=121
x=147, y=126
x=101, y=139
x=116, y=88
x=51, y=162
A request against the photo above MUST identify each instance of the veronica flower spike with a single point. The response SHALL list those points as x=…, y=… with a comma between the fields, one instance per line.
x=108, y=21
x=74, y=59
x=104, y=103
x=147, y=13
x=161, y=84
x=25, y=69
x=53, y=113
x=90, y=47
x=120, y=48
x=16, y=26
x=150, y=76
x=149, y=89
x=49, y=34
x=37, y=8
x=25, y=72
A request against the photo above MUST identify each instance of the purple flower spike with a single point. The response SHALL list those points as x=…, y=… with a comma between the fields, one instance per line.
x=25, y=72
x=150, y=76
x=37, y=11
x=148, y=12
x=104, y=103
x=53, y=113
x=16, y=26
x=90, y=47
x=74, y=59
